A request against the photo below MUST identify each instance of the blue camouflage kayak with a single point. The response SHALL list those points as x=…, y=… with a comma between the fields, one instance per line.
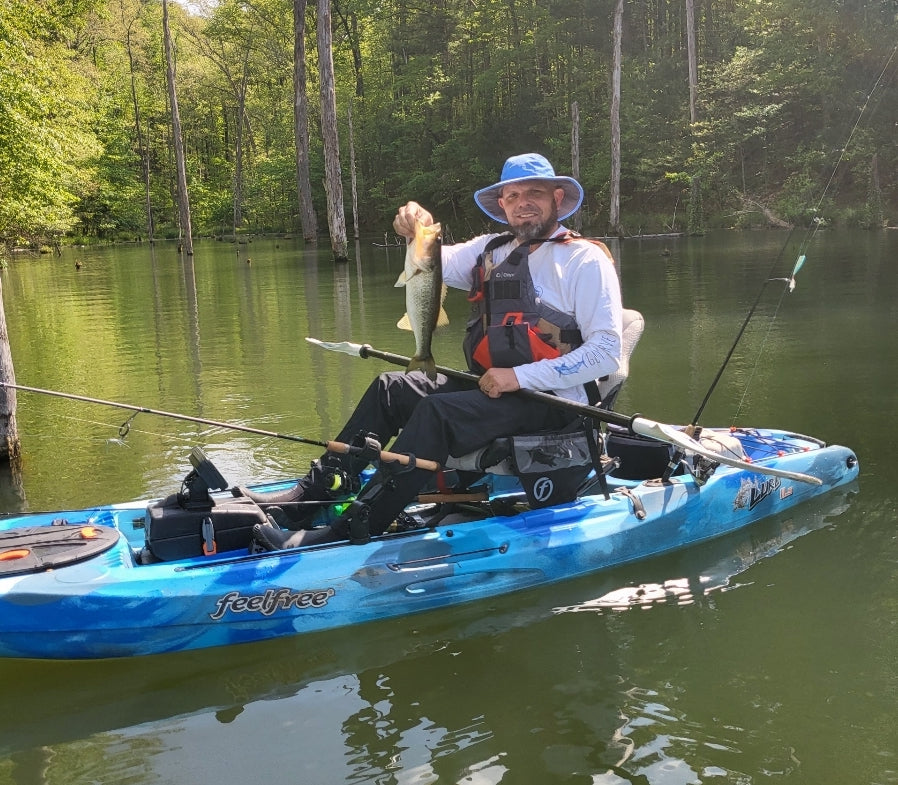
x=165, y=575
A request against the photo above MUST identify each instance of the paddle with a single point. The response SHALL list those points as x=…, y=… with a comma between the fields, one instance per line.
x=634, y=423
x=330, y=446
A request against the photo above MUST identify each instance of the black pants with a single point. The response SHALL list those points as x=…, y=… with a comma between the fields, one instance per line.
x=433, y=420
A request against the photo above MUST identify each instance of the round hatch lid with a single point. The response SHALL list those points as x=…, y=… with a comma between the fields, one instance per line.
x=39, y=548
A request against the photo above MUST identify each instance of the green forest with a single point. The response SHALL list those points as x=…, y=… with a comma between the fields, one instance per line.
x=793, y=116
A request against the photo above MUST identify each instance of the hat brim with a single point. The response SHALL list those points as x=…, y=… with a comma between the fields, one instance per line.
x=487, y=199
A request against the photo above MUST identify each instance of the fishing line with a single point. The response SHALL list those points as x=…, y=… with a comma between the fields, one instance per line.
x=118, y=440
x=174, y=415
x=815, y=225
x=365, y=448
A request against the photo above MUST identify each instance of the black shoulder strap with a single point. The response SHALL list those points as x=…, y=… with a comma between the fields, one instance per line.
x=592, y=392
x=498, y=240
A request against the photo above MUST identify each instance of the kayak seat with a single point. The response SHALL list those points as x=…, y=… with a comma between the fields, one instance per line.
x=553, y=467
x=632, y=327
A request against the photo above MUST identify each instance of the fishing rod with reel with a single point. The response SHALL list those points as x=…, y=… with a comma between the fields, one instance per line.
x=816, y=222
x=364, y=448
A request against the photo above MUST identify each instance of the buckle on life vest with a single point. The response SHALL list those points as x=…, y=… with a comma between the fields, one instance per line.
x=475, y=295
x=210, y=547
x=511, y=343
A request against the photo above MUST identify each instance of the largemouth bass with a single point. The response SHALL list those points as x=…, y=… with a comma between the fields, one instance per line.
x=422, y=278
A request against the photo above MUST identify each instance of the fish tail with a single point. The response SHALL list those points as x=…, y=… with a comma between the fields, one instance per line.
x=426, y=364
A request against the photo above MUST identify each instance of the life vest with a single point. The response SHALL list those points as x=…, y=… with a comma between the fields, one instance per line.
x=509, y=324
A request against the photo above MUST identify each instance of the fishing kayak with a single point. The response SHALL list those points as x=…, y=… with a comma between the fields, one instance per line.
x=166, y=575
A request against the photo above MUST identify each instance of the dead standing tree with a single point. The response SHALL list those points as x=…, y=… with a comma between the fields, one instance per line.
x=177, y=140
x=333, y=183
x=10, y=448
x=696, y=219
x=301, y=124
x=614, y=224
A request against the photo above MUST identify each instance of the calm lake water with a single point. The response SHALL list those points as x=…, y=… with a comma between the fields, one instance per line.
x=770, y=655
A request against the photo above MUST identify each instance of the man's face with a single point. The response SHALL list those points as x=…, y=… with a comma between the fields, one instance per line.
x=531, y=208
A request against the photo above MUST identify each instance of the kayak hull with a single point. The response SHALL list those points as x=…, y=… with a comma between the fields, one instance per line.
x=113, y=605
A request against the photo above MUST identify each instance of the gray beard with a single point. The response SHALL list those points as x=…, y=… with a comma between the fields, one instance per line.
x=532, y=231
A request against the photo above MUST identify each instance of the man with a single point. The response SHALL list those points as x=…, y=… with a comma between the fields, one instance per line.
x=546, y=315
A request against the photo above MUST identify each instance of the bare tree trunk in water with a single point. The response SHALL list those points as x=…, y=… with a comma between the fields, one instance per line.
x=183, y=198
x=352, y=177
x=614, y=225
x=577, y=218
x=333, y=183
x=141, y=142
x=693, y=58
x=10, y=449
x=695, y=216
x=301, y=124
x=238, y=147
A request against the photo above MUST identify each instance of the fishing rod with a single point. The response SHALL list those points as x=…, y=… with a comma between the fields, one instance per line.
x=813, y=228
x=331, y=446
x=636, y=424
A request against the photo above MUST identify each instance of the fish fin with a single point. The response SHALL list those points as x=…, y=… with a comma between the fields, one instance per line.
x=404, y=323
x=426, y=364
x=400, y=281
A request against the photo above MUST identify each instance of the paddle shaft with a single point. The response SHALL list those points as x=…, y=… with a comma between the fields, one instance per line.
x=603, y=415
x=682, y=440
x=331, y=446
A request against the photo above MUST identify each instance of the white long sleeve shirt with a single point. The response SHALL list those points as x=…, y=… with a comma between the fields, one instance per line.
x=577, y=278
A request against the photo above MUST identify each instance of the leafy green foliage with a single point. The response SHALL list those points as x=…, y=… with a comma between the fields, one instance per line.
x=441, y=93
x=47, y=146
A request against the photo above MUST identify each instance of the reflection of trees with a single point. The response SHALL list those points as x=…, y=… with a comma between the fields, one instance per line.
x=343, y=313
x=496, y=702
x=193, y=313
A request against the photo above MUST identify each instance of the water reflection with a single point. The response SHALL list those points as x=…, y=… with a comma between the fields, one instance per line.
x=733, y=554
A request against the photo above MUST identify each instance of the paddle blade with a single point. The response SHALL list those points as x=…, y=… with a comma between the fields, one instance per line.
x=345, y=347
x=676, y=437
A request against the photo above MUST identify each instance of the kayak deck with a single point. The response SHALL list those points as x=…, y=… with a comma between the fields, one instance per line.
x=119, y=603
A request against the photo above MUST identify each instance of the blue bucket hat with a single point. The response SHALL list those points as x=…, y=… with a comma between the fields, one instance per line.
x=529, y=166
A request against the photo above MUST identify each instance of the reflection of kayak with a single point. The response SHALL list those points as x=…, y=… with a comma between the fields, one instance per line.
x=176, y=574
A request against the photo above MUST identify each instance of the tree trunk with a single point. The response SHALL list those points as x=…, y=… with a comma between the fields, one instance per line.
x=693, y=59
x=575, y=158
x=186, y=232
x=614, y=217
x=301, y=125
x=10, y=449
x=352, y=177
x=333, y=183
x=141, y=142
x=695, y=215
x=238, y=147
